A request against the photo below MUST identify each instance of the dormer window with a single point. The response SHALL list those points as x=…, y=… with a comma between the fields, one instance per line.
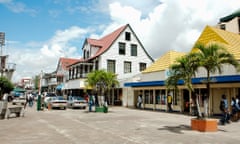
x=127, y=36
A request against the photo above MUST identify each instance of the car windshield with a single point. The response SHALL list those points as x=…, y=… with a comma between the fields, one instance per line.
x=77, y=98
x=58, y=98
x=51, y=95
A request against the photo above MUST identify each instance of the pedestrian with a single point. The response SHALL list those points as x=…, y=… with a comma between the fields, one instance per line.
x=238, y=106
x=225, y=111
x=234, y=112
x=90, y=102
x=169, y=103
x=139, y=104
x=30, y=99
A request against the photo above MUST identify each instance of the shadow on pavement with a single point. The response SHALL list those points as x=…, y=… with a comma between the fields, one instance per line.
x=176, y=129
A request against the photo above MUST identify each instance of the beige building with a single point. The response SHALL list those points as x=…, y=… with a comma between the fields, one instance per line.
x=230, y=23
x=150, y=84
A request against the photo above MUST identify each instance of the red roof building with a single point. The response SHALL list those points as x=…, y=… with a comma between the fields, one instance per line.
x=120, y=52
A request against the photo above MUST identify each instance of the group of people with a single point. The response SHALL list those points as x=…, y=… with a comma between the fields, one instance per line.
x=29, y=100
x=229, y=113
x=94, y=100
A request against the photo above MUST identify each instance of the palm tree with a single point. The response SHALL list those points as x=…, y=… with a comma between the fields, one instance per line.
x=101, y=81
x=212, y=57
x=184, y=69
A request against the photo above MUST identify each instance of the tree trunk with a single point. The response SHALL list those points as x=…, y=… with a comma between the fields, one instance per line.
x=198, y=107
x=206, y=97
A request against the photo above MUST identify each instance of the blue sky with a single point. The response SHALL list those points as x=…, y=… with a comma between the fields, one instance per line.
x=39, y=32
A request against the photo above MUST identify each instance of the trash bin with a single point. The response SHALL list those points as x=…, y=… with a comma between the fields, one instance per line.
x=39, y=103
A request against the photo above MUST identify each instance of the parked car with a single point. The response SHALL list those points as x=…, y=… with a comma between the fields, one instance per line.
x=48, y=97
x=50, y=94
x=19, y=100
x=58, y=102
x=76, y=102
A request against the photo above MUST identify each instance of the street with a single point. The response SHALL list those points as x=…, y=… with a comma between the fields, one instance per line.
x=119, y=126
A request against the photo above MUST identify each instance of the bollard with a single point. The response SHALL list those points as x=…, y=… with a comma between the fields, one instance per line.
x=49, y=106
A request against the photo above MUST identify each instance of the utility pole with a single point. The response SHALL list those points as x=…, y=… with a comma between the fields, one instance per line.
x=2, y=43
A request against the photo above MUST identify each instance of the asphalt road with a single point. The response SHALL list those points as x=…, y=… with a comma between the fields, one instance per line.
x=119, y=126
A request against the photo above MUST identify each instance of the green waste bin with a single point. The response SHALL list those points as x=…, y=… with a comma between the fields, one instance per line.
x=39, y=103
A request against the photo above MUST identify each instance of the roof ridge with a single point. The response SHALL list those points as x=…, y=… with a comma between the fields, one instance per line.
x=120, y=28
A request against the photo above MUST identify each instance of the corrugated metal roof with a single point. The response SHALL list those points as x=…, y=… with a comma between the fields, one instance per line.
x=231, y=41
x=164, y=62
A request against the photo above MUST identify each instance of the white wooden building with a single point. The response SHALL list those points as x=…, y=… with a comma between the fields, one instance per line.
x=120, y=52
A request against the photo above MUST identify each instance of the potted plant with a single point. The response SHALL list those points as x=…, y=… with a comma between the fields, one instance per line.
x=101, y=81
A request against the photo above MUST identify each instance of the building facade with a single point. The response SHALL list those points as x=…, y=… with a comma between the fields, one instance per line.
x=120, y=52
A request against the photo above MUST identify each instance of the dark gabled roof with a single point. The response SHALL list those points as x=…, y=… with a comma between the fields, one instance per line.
x=215, y=79
x=230, y=17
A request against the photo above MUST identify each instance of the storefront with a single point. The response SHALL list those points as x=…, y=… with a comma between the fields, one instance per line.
x=154, y=94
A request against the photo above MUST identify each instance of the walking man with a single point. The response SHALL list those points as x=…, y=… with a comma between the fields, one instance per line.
x=139, y=101
x=169, y=103
x=224, y=108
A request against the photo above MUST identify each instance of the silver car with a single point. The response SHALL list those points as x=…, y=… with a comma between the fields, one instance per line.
x=58, y=102
x=76, y=102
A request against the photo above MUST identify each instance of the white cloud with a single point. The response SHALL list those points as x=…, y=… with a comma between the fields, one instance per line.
x=160, y=25
x=18, y=7
x=30, y=61
x=171, y=25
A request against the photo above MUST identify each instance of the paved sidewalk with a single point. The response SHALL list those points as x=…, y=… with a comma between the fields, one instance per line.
x=119, y=126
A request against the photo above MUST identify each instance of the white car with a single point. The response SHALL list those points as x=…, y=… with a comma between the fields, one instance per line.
x=76, y=102
x=19, y=100
x=58, y=102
